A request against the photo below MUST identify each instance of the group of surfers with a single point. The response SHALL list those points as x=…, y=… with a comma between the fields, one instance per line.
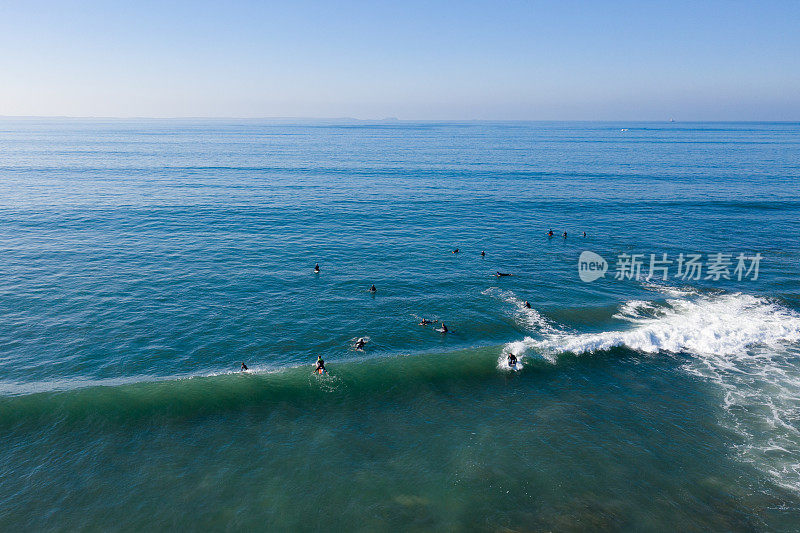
x=319, y=367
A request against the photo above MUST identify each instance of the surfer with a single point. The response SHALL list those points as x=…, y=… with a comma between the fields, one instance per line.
x=584, y=234
x=512, y=359
x=501, y=274
x=444, y=328
x=320, y=368
x=360, y=343
x=527, y=304
x=373, y=289
x=426, y=322
x=550, y=233
x=483, y=253
x=244, y=366
x=316, y=268
x=565, y=234
x=455, y=251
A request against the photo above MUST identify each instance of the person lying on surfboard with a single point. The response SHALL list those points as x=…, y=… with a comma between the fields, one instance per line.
x=360, y=343
x=501, y=274
x=320, y=368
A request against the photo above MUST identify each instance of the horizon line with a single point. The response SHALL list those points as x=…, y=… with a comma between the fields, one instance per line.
x=382, y=119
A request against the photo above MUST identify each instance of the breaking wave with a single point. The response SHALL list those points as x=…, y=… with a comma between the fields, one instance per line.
x=745, y=345
x=725, y=324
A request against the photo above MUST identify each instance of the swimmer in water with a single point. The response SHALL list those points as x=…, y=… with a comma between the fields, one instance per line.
x=244, y=366
x=373, y=289
x=360, y=343
x=527, y=304
x=316, y=268
x=512, y=359
x=320, y=368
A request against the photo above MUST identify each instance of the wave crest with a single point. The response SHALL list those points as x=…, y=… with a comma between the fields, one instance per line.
x=746, y=345
x=722, y=325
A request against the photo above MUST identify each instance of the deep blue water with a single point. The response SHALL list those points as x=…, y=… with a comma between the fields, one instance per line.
x=143, y=261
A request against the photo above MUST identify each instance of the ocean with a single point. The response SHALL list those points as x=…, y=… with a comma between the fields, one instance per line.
x=143, y=261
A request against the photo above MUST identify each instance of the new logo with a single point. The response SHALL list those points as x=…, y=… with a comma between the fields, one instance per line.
x=591, y=266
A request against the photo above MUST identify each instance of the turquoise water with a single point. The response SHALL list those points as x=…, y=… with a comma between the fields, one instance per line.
x=143, y=261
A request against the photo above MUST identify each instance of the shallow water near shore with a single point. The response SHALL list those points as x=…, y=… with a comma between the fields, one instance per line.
x=143, y=261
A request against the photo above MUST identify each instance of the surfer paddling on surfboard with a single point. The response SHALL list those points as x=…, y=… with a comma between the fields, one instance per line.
x=320, y=367
x=512, y=360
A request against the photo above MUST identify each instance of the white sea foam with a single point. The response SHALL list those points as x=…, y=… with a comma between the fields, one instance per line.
x=760, y=395
x=669, y=290
x=635, y=310
x=709, y=325
x=527, y=317
x=748, y=346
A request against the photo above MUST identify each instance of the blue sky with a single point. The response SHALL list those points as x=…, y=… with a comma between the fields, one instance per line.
x=730, y=60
